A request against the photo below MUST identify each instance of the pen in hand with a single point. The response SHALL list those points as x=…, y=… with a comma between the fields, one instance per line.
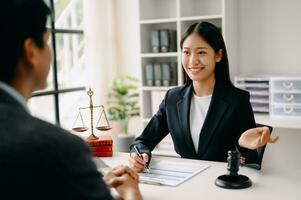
x=140, y=156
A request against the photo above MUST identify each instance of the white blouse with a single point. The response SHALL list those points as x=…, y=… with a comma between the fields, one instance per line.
x=198, y=111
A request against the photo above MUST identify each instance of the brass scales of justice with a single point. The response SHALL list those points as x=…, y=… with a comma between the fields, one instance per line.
x=101, y=127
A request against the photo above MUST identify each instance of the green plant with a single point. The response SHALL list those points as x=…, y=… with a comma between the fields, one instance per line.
x=123, y=100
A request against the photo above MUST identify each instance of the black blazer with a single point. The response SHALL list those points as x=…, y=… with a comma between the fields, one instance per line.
x=41, y=161
x=229, y=115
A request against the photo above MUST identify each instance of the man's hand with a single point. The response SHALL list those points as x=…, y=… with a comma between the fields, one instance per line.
x=111, y=177
x=256, y=137
x=125, y=181
x=129, y=190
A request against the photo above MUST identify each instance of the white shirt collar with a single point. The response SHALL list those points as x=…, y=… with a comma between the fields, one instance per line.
x=15, y=94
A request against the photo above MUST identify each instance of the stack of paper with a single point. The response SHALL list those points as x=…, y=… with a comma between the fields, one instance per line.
x=171, y=173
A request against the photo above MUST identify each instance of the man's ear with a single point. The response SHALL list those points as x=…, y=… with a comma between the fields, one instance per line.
x=219, y=55
x=30, y=52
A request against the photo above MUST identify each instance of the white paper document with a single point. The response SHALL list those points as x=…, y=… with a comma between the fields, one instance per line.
x=171, y=173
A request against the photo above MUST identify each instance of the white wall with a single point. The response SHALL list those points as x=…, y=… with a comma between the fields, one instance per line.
x=99, y=27
x=285, y=154
x=270, y=37
x=128, y=42
x=128, y=46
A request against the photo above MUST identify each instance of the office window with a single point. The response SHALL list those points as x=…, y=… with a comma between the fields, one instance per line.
x=65, y=91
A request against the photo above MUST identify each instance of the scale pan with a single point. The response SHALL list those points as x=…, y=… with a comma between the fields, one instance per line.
x=103, y=128
x=80, y=129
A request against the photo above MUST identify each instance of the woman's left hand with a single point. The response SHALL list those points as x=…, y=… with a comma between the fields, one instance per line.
x=256, y=137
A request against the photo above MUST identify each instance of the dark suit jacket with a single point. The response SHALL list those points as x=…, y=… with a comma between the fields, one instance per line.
x=229, y=115
x=41, y=161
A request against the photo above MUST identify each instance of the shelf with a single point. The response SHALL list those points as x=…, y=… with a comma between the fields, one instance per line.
x=290, y=104
x=259, y=93
x=146, y=30
x=262, y=101
x=147, y=88
x=260, y=110
x=199, y=18
x=252, y=85
x=159, y=55
x=288, y=78
x=158, y=21
x=286, y=91
x=278, y=122
x=255, y=78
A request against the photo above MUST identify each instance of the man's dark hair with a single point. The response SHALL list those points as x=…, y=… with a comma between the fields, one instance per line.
x=19, y=20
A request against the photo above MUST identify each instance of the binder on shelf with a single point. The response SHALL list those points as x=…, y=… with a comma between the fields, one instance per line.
x=166, y=75
x=158, y=74
x=155, y=41
x=164, y=40
x=173, y=73
x=172, y=40
x=149, y=74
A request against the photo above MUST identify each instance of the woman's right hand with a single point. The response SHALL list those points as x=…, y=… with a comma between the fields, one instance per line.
x=137, y=163
x=256, y=137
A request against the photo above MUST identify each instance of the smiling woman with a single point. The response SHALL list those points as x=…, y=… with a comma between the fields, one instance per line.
x=198, y=60
x=206, y=116
x=203, y=44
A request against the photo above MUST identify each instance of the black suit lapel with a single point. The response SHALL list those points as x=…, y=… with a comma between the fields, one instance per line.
x=184, y=113
x=215, y=113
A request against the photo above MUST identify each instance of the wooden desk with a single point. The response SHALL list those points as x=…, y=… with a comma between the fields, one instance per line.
x=267, y=184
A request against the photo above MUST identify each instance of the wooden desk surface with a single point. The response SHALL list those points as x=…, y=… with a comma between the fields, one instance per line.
x=267, y=184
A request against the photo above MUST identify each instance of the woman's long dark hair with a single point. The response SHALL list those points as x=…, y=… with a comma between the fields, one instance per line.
x=212, y=35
